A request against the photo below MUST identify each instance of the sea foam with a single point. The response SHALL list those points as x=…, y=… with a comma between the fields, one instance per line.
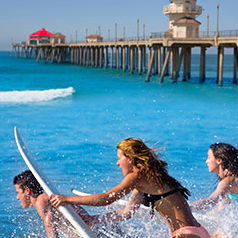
x=35, y=95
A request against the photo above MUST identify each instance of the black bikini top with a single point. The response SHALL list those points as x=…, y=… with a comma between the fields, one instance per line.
x=150, y=199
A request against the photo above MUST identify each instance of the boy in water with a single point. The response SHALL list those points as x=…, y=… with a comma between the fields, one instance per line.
x=30, y=193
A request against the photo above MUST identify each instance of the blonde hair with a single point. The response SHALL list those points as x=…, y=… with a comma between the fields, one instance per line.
x=147, y=160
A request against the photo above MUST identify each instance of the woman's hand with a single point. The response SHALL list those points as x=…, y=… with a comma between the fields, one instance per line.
x=58, y=200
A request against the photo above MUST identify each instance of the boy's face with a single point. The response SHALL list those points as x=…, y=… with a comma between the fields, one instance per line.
x=23, y=196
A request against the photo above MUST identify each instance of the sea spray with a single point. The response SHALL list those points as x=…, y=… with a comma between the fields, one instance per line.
x=224, y=220
x=30, y=96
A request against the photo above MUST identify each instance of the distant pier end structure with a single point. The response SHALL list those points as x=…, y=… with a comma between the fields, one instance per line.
x=39, y=37
x=160, y=54
x=184, y=32
x=182, y=18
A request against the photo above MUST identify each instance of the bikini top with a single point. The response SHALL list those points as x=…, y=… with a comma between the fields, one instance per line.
x=149, y=200
x=233, y=196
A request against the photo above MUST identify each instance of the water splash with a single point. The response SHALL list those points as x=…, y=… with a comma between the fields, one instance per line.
x=224, y=220
x=30, y=96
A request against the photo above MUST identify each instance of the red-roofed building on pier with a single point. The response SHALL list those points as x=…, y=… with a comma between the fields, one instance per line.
x=39, y=37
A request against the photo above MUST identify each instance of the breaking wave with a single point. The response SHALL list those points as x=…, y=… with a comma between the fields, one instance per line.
x=35, y=95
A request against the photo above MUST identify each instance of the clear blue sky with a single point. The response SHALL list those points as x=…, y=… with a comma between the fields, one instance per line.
x=18, y=19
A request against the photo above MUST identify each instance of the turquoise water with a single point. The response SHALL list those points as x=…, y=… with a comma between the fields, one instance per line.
x=75, y=117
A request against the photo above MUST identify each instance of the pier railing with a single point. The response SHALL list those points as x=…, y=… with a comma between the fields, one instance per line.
x=202, y=34
x=228, y=33
x=164, y=34
x=207, y=34
x=160, y=35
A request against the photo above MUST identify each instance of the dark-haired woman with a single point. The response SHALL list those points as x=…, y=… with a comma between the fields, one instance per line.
x=222, y=159
x=147, y=178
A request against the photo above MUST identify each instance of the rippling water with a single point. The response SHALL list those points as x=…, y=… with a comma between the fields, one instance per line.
x=73, y=117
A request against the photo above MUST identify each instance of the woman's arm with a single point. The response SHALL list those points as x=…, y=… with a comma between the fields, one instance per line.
x=100, y=199
x=213, y=199
x=203, y=204
x=125, y=214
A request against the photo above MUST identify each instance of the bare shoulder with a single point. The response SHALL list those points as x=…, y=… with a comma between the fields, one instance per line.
x=132, y=178
x=43, y=202
x=235, y=181
x=129, y=183
x=229, y=183
x=233, y=185
x=42, y=198
x=225, y=181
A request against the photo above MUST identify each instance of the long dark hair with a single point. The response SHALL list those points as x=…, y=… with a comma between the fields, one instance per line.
x=229, y=156
x=148, y=161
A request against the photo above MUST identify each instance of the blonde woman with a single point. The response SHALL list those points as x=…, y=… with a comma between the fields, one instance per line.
x=147, y=178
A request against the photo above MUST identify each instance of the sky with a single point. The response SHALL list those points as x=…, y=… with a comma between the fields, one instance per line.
x=18, y=19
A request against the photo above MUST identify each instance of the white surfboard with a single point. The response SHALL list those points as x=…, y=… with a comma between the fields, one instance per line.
x=68, y=211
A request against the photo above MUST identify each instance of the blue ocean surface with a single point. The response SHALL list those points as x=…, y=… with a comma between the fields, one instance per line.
x=72, y=118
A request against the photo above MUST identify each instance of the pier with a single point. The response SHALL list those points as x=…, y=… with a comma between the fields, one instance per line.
x=155, y=56
x=162, y=54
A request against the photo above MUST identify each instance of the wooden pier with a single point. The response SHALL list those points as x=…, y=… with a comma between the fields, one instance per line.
x=154, y=56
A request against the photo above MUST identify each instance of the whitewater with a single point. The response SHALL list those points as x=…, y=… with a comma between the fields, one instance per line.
x=28, y=96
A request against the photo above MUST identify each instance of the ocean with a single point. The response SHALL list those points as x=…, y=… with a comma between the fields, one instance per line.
x=72, y=118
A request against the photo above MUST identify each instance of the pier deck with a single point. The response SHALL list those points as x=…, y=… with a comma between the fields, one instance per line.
x=154, y=56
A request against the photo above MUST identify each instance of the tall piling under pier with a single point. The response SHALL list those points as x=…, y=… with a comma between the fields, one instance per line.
x=153, y=57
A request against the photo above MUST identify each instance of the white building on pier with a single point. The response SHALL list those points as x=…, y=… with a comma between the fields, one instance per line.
x=182, y=18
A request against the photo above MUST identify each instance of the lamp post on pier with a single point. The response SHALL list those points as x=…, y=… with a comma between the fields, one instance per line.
x=115, y=31
x=218, y=20
x=99, y=32
x=86, y=35
x=207, y=25
x=138, y=22
x=144, y=31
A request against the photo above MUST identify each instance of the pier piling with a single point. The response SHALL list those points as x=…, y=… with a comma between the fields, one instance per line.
x=155, y=56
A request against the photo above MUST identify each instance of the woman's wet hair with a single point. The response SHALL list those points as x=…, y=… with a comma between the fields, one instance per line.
x=27, y=179
x=148, y=161
x=228, y=154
